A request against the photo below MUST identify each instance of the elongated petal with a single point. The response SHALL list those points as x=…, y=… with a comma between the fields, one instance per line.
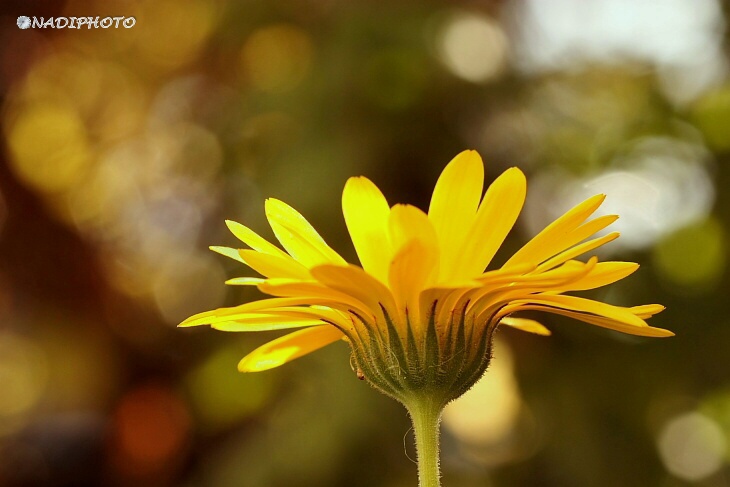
x=355, y=282
x=559, y=245
x=407, y=223
x=604, y=322
x=587, y=229
x=496, y=216
x=411, y=272
x=499, y=274
x=573, y=237
x=274, y=266
x=322, y=313
x=289, y=347
x=415, y=265
x=228, y=252
x=298, y=237
x=534, y=250
x=603, y=274
x=245, y=281
x=366, y=214
x=647, y=310
x=577, y=250
x=524, y=324
x=314, y=291
x=454, y=205
x=509, y=288
x=243, y=310
x=253, y=239
x=263, y=322
x=583, y=305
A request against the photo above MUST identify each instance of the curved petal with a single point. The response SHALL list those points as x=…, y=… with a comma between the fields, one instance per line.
x=366, y=214
x=415, y=266
x=647, y=310
x=253, y=239
x=553, y=235
x=508, y=289
x=586, y=230
x=355, y=282
x=577, y=250
x=326, y=314
x=454, y=205
x=227, y=252
x=234, y=312
x=583, y=305
x=602, y=274
x=498, y=275
x=525, y=324
x=263, y=322
x=298, y=237
x=496, y=216
x=411, y=272
x=604, y=322
x=407, y=223
x=313, y=291
x=289, y=347
x=245, y=281
x=273, y=266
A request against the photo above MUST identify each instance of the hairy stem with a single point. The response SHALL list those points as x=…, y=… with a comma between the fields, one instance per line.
x=425, y=414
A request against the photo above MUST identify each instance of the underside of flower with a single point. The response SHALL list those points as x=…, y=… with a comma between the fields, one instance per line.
x=430, y=358
x=420, y=311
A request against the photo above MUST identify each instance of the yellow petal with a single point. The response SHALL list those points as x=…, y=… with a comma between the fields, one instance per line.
x=603, y=274
x=647, y=310
x=534, y=250
x=245, y=281
x=411, y=272
x=315, y=290
x=322, y=313
x=454, y=205
x=227, y=251
x=582, y=305
x=525, y=324
x=604, y=322
x=589, y=228
x=298, y=237
x=506, y=289
x=499, y=274
x=407, y=223
x=253, y=239
x=564, y=276
x=274, y=266
x=577, y=250
x=416, y=262
x=355, y=282
x=289, y=347
x=263, y=322
x=646, y=331
x=366, y=214
x=496, y=216
x=573, y=237
x=234, y=312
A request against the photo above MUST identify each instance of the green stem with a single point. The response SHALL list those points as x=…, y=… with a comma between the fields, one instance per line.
x=425, y=415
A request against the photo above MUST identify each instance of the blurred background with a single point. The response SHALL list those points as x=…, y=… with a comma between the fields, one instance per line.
x=125, y=149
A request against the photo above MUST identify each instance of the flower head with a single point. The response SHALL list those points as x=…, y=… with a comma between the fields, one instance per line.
x=420, y=311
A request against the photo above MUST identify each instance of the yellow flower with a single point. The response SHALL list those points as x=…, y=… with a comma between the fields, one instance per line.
x=420, y=311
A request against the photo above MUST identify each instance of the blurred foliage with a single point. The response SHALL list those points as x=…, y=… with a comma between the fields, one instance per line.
x=125, y=149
